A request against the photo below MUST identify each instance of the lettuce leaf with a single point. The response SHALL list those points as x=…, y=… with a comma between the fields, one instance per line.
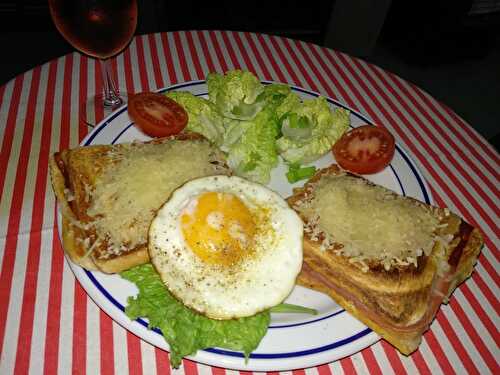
x=274, y=94
x=309, y=128
x=203, y=116
x=251, y=146
x=296, y=173
x=185, y=330
x=235, y=94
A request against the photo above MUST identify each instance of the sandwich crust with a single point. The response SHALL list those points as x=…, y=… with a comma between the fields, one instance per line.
x=400, y=303
x=75, y=176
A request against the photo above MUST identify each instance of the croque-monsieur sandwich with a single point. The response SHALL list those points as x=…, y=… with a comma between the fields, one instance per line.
x=388, y=260
x=109, y=194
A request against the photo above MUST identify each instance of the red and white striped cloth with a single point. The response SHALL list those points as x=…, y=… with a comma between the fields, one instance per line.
x=49, y=325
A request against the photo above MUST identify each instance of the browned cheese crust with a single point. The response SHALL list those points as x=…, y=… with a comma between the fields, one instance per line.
x=398, y=304
x=71, y=171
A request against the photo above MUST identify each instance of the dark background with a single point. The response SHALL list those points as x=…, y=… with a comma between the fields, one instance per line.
x=451, y=49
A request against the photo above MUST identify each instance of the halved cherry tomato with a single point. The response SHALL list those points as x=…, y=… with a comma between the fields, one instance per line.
x=364, y=150
x=156, y=115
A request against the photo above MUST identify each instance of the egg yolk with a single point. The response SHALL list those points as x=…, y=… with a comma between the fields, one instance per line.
x=219, y=228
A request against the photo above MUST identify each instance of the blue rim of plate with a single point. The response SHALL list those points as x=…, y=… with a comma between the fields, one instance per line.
x=231, y=353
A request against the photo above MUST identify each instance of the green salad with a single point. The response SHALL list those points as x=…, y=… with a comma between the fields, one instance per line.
x=255, y=123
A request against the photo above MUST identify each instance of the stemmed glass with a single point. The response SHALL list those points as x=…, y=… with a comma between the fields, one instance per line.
x=100, y=29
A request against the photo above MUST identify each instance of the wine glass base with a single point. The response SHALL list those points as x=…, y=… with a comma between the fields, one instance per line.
x=94, y=110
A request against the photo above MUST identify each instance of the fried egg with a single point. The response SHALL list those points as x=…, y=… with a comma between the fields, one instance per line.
x=226, y=247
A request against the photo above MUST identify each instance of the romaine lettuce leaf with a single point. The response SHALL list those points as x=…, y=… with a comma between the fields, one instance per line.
x=274, y=94
x=251, y=146
x=291, y=103
x=234, y=131
x=296, y=172
x=203, y=116
x=309, y=128
x=235, y=94
x=185, y=330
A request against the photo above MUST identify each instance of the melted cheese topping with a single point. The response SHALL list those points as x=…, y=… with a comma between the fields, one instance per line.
x=141, y=178
x=369, y=222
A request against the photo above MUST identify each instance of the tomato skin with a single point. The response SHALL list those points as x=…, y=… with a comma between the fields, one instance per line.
x=157, y=115
x=365, y=150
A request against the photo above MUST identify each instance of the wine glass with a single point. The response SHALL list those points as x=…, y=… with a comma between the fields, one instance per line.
x=100, y=29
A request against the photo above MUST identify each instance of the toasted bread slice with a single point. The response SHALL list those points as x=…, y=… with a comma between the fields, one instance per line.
x=396, y=295
x=109, y=194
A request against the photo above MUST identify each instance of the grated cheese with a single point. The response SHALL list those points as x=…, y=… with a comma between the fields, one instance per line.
x=125, y=197
x=68, y=194
x=371, y=222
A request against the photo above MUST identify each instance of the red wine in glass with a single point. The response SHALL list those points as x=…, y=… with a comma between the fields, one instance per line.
x=101, y=29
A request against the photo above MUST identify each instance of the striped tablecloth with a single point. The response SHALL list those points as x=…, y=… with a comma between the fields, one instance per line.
x=49, y=325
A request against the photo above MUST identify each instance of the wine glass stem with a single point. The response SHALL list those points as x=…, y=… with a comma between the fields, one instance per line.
x=111, y=94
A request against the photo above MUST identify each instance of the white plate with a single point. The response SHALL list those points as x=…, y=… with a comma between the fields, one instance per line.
x=293, y=340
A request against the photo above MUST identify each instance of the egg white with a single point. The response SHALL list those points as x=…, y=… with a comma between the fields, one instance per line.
x=256, y=283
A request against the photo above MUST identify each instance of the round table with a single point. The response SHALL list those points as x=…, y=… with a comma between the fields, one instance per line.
x=48, y=323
